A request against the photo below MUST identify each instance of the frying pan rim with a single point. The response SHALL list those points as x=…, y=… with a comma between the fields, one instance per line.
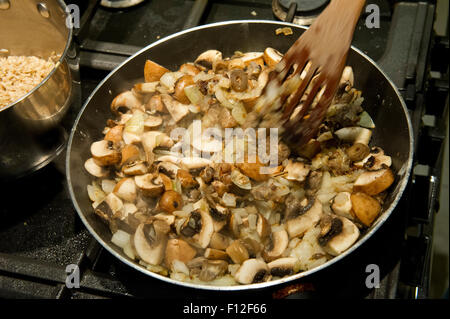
x=401, y=187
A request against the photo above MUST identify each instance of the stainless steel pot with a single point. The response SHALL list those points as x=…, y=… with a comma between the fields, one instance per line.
x=30, y=131
x=382, y=101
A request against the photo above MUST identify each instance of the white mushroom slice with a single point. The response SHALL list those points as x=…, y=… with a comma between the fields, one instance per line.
x=280, y=241
x=94, y=169
x=347, y=76
x=146, y=87
x=272, y=57
x=249, y=57
x=252, y=271
x=341, y=242
x=104, y=153
x=215, y=254
x=375, y=161
x=194, y=162
x=354, y=134
x=208, y=58
x=299, y=225
x=168, y=168
x=153, y=121
x=176, y=109
x=151, y=140
x=297, y=171
x=126, y=189
x=204, y=236
x=284, y=266
x=135, y=168
x=342, y=205
x=262, y=227
x=150, y=244
x=178, y=249
x=168, y=218
x=127, y=100
x=374, y=182
x=146, y=183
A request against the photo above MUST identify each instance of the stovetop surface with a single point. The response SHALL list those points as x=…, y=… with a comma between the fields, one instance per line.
x=40, y=226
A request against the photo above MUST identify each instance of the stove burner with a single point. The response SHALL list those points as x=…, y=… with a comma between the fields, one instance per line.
x=305, y=10
x=304, y=6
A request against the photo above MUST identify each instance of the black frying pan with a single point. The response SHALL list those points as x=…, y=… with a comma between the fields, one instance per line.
x=382, y=100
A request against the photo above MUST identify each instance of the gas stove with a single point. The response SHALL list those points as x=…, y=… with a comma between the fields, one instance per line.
x=41, y=236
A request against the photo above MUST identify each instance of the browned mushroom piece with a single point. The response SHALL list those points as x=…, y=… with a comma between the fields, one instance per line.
x=279, y=241
x=147, y=184
x=237, y=252
x=126, y=189
x=114, y=134
x=153, y=71
x=94, y=169
x=272, y=57
x=104, y=153
x=124, y=102
x=150, y=244
x=178, y=249
x=239, y=80
x=171, y=201
x=130, y=153
x=211, y=269
x=299, y=225
x=374, y=182
x=183, y=82
x=155, y=104
x=207, y=59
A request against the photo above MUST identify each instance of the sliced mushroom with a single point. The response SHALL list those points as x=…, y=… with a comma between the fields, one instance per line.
x=219, y=216
x=176, y=109
x=347, y=77
x=94, y=169
x=252, y=271
x=114, y=134
x=171, y=201
x=207, y=59
x=126, y=100
x=146, y=183
x=341, y=242
x=374, y=182
x=240, y=180
x=256, y=57
x=299, y=225
x=310, y=149
x=354, y=134
x=365, y=207
x=130, y=153
x=178, y=249
x=272, y=57
x=183, y=82
x=211, y=253
x=126, y=189
x=329, y=227
x=262, y=227
x=168, y=168
x=153, y=139
x=204, y=236
x=115, y=204
x=278, y=244
x=153, y=71
x=375, y=160
x=135, y=168
x=155, y=104
x=297, y=171
x=342, y=205
x=153, y=122
x=150, y=244
x=283, y=266
x=253, y=170
x=186, y=179
x=191, y=163
x=192, y=225
x=358, y=151
x=237, y=252
x=104, y=153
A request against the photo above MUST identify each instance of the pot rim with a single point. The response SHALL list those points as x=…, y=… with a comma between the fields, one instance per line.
x=57, y=65
x=380, y=221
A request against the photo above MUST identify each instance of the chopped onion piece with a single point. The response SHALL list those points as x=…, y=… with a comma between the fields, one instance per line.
x=120, y=238
x=179, y=266
x=95, y=193
x=108, y=185
x=193, y=94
